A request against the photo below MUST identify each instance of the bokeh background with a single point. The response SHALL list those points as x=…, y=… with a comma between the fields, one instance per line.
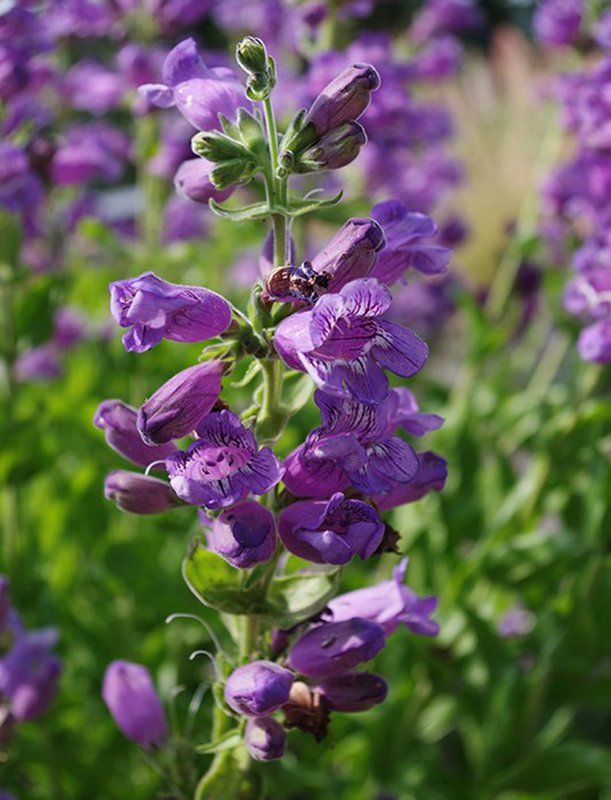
x=513, y=700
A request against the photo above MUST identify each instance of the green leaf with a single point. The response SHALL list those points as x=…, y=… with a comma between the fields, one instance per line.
x=293, y=598
x=10, y=239
x=227, y=741
x=299, y=206
x=217, y=584
x=229, y=777
x=297, y=389
x=254, y=211
x=252, y=371
x=232, y=171
x=251, y=132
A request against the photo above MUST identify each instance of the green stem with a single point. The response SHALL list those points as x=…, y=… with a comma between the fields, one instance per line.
x=10, y=496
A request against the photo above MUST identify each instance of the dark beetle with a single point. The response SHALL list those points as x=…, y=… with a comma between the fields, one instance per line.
x=296, y=283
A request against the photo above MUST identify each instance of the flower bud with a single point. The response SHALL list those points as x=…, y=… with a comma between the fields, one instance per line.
x=131, y=698
x=258, y=688
x=192, y=180
x=139, y=494
x=244, y=535
x=251, y=55
x=335, y=648
x=181, y=403
x=334, y=150
x=355, y=691
x=118, y=421
x=265, y=739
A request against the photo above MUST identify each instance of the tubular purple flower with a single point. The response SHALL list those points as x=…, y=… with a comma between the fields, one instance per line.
x=334, y=150
x=342, y=100
x=344, y=346
x=224, y=465
x=557, y=22
x=192, y=180
x=139, y=494
x=265, y=739
x=405, y=232
x=154, y=309
x=354, y=691
x=199, y=93
x=259, y=688
x=331, y=532
x=431, y=477
x=351, y=253
x=29, y=674
x=244, y=535
x=118, y=421
x=131, y=698
x=334, y=648
x=181, y=403
x=388, y=604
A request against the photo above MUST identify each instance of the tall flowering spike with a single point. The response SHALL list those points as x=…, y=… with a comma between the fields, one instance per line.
x=118, y=421
x=259, y=688
x=388, y=604
x=139, y=494
x=224, y=465
x=131, y=698
x=198, y=92
x=181, y=403
x=331, y=532
x=345, y=346
x=351, y=253
x=406, y=247
x=337, y=647
x=154, y=309
x=354, y=691
x=265, y=739
x=244, y=535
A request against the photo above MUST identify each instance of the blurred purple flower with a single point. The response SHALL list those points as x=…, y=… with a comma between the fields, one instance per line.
x=29, y=674
x=131, y=698
x=39, y=363
x=517, y=622
x=90, y=86
x=557, y=22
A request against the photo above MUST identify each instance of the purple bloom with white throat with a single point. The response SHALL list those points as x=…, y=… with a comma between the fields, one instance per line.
x=334, y=648
x=198, y=92
x=244, y=535
x=406, y=246
x=139, y=494
x=354, y=691
x=265, y=739
x=388, y=604
x=154, y=309
x=131, y=698
x=331, y=532
x=345, y=346
x=259, y=688
x=224, y=465
x=118, y=421
x=181, y=403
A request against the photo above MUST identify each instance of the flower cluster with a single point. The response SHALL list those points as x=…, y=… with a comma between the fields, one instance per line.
x=576, y=196
x=29, y=669
x=324, y=322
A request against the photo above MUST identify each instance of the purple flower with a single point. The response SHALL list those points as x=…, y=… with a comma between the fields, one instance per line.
x=244, y=535
x=259, y=688
x=431, y=477
x=20, y=188
x=118, y=421
x=199, y=93
x=131, y=698
x=183, y=220
x=331, y=532
x=602, y=30
x=38, y=364
x=557, y=22
x=29, y=674
x=354, y=445
x=354, y=691
x=139, y=494
x=405, y=232
x=334, y=648
x=154, y=309
x=92, y=87
x=344, y=346
x=388, y=604
x=223, y=466
x=445, y=16
x=343, y=100
x=192, y=180
x=589, y=294
x=595, y=342
x=517, y=622
x=351, y=253
x=69, y=328
x=88, y=152
x=181, y=403
x=265, y=739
